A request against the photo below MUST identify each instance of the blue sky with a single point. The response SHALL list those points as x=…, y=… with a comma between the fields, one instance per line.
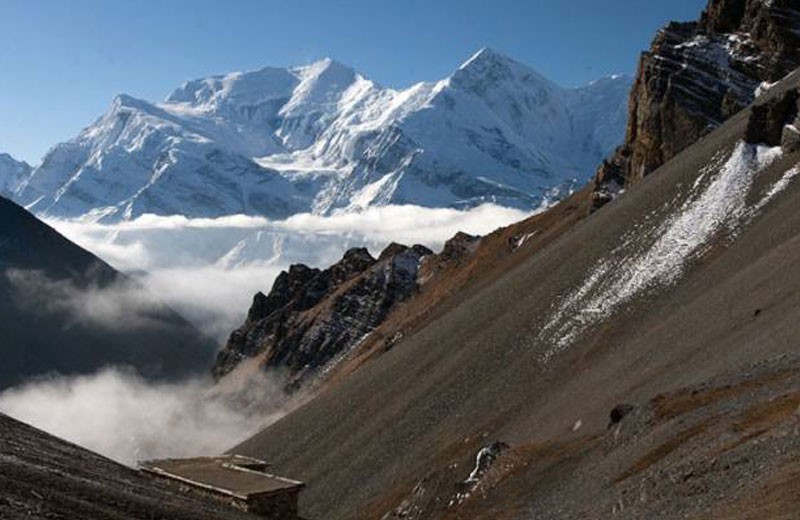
x=62, y=61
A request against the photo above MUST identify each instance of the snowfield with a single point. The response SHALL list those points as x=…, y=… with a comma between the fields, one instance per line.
x=323, y=138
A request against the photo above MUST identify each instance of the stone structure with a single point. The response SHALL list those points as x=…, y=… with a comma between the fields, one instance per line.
x=241, y=482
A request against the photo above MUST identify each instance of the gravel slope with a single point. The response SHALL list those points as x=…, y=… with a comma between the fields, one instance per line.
x=408, y=425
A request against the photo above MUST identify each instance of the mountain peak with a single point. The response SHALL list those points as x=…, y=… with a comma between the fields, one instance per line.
x=122, y=99
x=325, y=68
x=8, y=158
x=12, y=173
x=247, y=86
x=128, y=101
x=488, y=67
x=324, y=64
x=484, y=56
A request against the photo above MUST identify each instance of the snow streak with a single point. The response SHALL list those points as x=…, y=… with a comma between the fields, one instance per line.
x=661, y=253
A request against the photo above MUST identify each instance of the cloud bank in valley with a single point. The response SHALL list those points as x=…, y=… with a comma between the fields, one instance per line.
x=119, y=306
x=208, y=270
x=118, y=414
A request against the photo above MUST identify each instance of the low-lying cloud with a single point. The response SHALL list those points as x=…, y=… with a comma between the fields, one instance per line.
x=121, y=305
x=118, y=414
x=208, y=270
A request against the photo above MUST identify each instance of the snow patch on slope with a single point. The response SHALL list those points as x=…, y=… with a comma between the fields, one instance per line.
x=776, y=188
x=720, y=206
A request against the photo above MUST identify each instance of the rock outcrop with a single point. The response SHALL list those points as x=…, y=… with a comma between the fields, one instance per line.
x=311, y=316
x=774, y=122
x=694, y=77
x=459, y=247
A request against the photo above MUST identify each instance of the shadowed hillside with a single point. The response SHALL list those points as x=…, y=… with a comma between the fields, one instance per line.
x=42, y=476
x=64, y=310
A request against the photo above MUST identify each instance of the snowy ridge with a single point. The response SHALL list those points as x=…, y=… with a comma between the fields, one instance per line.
x=275, y=142
x=716, y=203
x=12, y=173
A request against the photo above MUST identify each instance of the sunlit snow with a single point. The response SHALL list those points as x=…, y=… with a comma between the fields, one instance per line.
x=322, y=137
x=718, y=206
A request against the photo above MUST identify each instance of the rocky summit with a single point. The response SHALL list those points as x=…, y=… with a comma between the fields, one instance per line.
x=311, y=316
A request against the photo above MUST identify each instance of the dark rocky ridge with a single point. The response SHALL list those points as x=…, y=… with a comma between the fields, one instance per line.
x=695, y=76
x=311, y=316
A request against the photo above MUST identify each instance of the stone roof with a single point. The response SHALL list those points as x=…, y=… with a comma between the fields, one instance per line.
x=235, y=475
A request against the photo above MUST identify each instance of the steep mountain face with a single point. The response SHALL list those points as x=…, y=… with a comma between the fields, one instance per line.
x=65, y=310
x=465, y=264
x=322, y=137
x=12, y=173
x=311, y=317
x=42, y=476
x=695, y=76
x=650, y=376
x=440, y=281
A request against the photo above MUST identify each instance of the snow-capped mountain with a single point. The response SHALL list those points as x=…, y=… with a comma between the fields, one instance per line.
x=12, y=173
x=322, y=137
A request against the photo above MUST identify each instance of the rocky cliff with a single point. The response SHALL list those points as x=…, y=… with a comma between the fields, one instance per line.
x=312, y=316
x=694, y=77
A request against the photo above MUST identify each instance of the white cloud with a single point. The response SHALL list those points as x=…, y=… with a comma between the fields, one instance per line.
x=209, y=269
x=119, y=306
x=408, y=224
x=213, y=298
x=118, y=414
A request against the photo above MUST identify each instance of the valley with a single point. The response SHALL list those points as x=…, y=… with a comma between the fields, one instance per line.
x=483, y=297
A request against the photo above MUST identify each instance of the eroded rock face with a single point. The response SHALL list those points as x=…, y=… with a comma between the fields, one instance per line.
x=311, y=316
x=459, y=247
x=695, y=76
x=774, y=122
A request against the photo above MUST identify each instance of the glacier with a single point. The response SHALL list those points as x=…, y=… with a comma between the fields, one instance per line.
x=322, y=139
